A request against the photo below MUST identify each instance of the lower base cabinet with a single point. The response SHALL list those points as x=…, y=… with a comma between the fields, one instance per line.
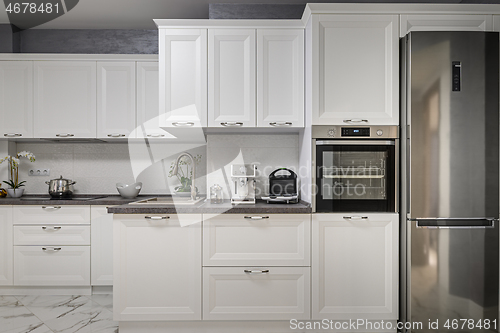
x=355, y=266
x=256, y=293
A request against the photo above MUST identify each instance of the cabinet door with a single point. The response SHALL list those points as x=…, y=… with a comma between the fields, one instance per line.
x=355, y=267
x=51, y=215
x=231, y=77
x=52, y=265
x=16, y=99
x=256, y=293
x=445, y=23
x=65, y=99
x=148, y=120
x=356, y=70
x=183, y=77
x=115, y=99
x=101, y=257
x=275, y=239
x=157, y=267
x=6, y=247
x=280, y=77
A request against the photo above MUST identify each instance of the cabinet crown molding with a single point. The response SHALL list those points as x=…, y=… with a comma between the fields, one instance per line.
x=77, y=57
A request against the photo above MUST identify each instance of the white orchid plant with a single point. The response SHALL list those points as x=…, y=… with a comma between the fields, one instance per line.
x=14, y=168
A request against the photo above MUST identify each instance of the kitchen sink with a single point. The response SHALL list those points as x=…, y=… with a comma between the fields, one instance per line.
x=168, y=201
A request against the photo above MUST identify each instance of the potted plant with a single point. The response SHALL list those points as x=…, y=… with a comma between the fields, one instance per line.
x=184, y=175
x=15, y=190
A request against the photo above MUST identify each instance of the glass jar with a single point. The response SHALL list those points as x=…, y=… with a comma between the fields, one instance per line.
x=216, y=194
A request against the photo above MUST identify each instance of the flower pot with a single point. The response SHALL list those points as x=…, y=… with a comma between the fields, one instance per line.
x=15, y=192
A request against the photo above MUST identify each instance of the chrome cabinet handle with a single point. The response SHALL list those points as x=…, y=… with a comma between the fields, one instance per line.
x=65, y=135
x=55, y=249
x=231, y=123
x=156, y=217
x=116, y=135
x=256, y=217
x=53, y=228
x=183, y=124
x=51, y=207
x=280, y=123
x=355, y=217
x=12, y=135
x=261, y=271
x=356, y=120
x=156, y=135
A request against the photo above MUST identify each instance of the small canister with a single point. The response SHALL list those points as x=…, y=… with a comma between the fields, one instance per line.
x=216, y=194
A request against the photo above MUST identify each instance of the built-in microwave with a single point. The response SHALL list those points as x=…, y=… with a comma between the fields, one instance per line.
x=355, y=168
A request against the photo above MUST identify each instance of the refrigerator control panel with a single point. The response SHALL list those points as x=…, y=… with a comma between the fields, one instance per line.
x=456, y=70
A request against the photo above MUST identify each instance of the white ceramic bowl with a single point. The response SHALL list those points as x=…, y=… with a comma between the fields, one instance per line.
x=129, y=191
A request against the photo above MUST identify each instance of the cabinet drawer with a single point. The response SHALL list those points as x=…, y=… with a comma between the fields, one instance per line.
x=52, y=235
x=51, y=214
x=250, y=293
x=52, y=266
x=272, y=240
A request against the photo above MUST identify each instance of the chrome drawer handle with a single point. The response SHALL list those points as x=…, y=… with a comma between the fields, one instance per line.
x=183, y=124
x=116, y=135
x=156, y=135
x=355, y=217
x=51, y=207
x=156, y=217
x=55, y=249
x=250, y=271
x=65, y=135
x=281, y=123
x=231, y=123
x=12, y=135
x=53, y=228
x=356, y=120
x=256, y=217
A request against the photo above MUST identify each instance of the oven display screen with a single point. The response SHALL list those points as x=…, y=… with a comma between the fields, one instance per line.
x=351, y=131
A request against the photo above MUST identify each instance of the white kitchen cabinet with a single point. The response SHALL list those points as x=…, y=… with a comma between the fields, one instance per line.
x=183, y=77
x=6, y=247
x=148, y=95
x=52, y=235
x=157, y=267
x=433, y=22
x=115, y=99
x=16, y=99
x=269, y=239
x=65, y=99
x=231, y=78
x=51, y=215
x=355, y=266
x=52, y=265
x=355, y=70
x=101, y=246
x=256, y=293
x=280, y=77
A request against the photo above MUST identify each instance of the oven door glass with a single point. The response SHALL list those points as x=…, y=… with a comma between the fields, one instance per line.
x=355, y=178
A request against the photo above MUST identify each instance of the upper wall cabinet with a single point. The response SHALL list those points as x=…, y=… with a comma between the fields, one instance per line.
x=280, y=77
x=148, y=101
x=231, y=77
x=65, y=99
x=16, y=99
x=115, y=99
x=183, y=77
x=355, y=69
x=445, y=23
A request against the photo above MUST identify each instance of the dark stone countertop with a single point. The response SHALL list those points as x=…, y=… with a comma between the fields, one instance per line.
x=261, y=207
x=78, y=200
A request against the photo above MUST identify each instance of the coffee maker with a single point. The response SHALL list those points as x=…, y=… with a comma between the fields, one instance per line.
x=243, y=183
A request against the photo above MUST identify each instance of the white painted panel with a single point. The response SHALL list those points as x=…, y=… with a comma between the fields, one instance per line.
x=279, y=240
x=432, y=22
x=280, y=77
x=280, y=293
x=51, y=215
x=101, y=247
x=115, y=99
x=52, y=235
x=16, y=99
x=6, y=249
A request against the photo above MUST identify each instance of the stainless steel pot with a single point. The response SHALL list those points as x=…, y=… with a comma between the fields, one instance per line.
x=60, y=187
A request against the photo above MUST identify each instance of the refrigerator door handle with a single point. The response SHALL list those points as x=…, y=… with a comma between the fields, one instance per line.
x=456, y=223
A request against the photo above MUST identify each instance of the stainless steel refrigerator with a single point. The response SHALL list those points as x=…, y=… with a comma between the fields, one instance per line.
x=450, y=107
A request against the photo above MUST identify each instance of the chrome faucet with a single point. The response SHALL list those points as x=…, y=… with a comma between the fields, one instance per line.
x=176, y=170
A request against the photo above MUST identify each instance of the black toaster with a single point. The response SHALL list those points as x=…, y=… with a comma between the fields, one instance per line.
x=283, y=185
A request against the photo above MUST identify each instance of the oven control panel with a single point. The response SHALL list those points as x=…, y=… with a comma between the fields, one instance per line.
x=355, y=131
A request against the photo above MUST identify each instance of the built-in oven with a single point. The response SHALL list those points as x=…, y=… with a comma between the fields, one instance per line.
x=355, y=168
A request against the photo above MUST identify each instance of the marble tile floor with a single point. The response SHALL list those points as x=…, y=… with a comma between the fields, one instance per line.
x=57, y=314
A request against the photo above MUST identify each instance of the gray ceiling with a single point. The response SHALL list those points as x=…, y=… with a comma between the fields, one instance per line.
x=138, y=14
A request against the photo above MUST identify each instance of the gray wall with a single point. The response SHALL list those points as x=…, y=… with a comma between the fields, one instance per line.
x=9, y=39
